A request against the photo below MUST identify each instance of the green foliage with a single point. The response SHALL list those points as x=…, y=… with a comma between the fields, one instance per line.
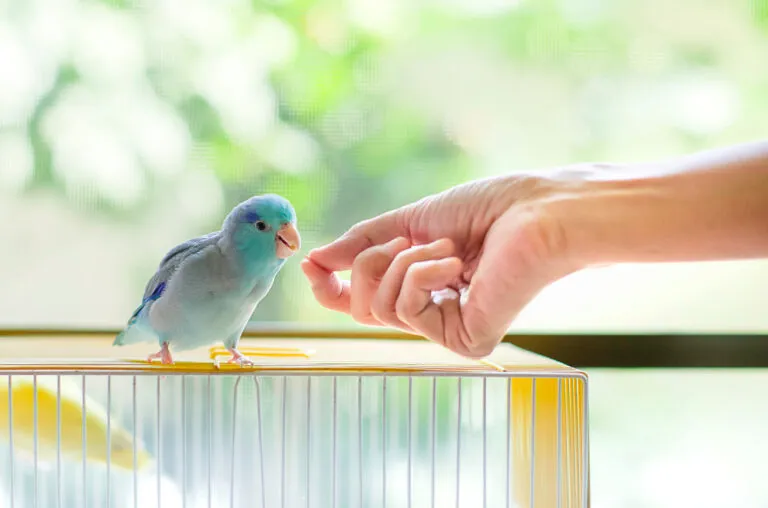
x=350, y=113
x=759, y=10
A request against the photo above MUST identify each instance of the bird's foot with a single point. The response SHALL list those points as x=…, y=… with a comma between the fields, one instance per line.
x=164, y=355
x=238, y=358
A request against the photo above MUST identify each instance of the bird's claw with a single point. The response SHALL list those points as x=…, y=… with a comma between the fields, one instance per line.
x=164, y=355
x=237, y=358
x=243, y=361
x=163, y=361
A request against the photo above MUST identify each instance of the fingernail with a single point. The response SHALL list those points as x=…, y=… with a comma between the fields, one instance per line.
x=464, y=296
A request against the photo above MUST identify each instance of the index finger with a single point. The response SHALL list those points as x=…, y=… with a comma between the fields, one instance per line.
x=341, y=253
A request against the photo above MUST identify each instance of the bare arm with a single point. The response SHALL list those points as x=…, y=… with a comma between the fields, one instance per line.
x=502, y=240
x=708, y=206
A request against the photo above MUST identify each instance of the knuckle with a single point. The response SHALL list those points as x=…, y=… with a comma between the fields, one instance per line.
x=358, y=307
x=359, y=229
x=364, y=318
x=411, y=278
x=359, y=314
x=385, y=316
x=382, y=309
x=373, y=261
x=403, y=259
x=324, y=296
x=404, y=307
x=378, y=308
x=407, y=306
x=473, y=338
x=478, y=346
x=378, y=314
x=412, y=272
x=478, y=350
x=406, y=303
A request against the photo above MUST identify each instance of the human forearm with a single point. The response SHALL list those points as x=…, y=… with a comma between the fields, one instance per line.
x=709, y=206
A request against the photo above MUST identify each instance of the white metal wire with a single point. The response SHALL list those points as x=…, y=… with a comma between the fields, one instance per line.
x=458, y=444
x=309, y=437
x=384, y=442
x=84, y=438
x=109, y=439
x=410, y=442
x=485, y=444
x=159, y=443
x=209, y=461
x=559, y=442
x=360, y=466
x=11, y=451
x=433, y=436
x=282, y=448
x=184, y=442
x=35, y=436
x=135, y=440
x=533, y=442
x=335, y=447
x=273, y=439
x=58, y=441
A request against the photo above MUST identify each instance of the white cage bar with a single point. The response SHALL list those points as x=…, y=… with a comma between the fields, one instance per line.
x=294, y=437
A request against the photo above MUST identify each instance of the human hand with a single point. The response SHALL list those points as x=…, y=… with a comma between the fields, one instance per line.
x=490, y=241
x=500, y=241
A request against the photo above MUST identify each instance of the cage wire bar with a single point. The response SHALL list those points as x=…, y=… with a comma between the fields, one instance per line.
x=294, y=439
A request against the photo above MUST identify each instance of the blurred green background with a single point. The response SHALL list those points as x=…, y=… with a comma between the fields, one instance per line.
x=126, y=128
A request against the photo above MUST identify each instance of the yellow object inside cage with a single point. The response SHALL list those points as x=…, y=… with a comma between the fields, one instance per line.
x=507, y=431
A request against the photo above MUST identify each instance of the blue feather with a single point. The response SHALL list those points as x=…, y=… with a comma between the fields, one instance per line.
x=157, y=293
x=252, y=216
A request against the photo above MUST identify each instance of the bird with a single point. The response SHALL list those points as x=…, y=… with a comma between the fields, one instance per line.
x=59, y=424
x=206, y=289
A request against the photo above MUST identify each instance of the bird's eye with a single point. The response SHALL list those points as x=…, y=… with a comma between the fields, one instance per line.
x=261, y=225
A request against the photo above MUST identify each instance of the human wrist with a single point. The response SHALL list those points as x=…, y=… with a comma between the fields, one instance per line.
x=610, y=219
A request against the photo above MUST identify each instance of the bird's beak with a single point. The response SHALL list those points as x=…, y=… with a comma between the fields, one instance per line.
x=287, y=241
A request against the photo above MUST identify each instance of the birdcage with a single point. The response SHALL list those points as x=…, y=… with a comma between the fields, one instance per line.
x=318, y=423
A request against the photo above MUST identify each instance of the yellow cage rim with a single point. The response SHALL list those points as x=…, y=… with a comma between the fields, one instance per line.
x=272, y=371
x=480, y=367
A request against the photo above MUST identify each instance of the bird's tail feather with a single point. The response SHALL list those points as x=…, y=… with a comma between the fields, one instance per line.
x=134, y=330
x=120, y=339
x=132, y=334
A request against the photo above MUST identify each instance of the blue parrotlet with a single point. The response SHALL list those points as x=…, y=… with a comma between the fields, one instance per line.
x=206, y=288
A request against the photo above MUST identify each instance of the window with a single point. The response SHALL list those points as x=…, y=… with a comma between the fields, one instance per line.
x=126, y=129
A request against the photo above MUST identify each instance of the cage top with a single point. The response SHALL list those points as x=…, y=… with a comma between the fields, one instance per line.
x=69, y=354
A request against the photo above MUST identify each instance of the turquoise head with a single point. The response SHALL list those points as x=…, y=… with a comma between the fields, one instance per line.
x=264, y=227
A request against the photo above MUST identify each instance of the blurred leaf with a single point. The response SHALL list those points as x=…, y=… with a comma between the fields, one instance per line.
x=232, y=162
x=759, y=9
x=202, y=119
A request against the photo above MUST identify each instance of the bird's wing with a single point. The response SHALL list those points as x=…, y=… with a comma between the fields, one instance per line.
x=173, y=259
x=170, y=263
